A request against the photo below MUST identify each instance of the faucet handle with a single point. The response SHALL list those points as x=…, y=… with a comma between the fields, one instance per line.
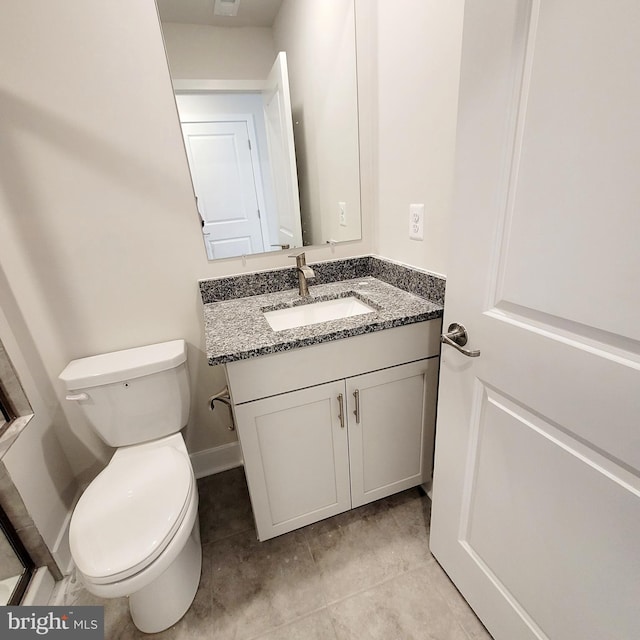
x=301, y=259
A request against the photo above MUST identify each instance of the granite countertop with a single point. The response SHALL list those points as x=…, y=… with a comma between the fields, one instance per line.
x=237, y=329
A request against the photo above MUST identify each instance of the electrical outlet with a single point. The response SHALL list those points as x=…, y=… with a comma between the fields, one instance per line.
x=416, y=221
x=342, y=214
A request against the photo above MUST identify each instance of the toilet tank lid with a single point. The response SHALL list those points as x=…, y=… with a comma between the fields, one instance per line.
x=119, y=366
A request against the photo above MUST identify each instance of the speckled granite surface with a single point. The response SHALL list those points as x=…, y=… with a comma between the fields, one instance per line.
x=236, y=328
x=423, y=284
x=415, y=281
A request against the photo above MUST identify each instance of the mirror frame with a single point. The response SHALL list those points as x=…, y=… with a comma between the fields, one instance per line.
x=23, y=556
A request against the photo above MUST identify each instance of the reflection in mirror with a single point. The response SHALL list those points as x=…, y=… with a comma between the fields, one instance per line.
x=16, y=567
x=268, y=106
x=242, y=158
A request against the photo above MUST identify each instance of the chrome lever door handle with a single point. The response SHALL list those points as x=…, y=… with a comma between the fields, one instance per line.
x=456, y=336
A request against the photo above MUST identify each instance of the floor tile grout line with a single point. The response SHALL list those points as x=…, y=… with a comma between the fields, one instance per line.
x=395, y=518
x=315, y=564
x=375, y=584
x=447, y=599
x=308, y=614
x=415, y=569
x=230, y=535
x=333, y=623
x=420, y=565
x=303, y=544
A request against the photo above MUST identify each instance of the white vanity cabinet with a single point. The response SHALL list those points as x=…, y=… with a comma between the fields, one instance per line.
x=333, y=426
x=390, y=428
x=296, y=457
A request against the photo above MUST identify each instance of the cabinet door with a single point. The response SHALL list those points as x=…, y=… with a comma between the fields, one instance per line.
x=391, y=434
x=296, y=458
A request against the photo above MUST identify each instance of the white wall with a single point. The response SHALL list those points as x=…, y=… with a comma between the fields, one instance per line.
x=99, y=237
x=36, y=461
x=419, y=47
x=318, y=39
x=197, y=52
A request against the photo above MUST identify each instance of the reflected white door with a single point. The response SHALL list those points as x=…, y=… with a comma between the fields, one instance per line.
x=282, y=154
x=224, y=176
x=536, y=500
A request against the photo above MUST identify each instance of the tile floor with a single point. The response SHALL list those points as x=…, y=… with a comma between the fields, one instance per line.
x=363, y=575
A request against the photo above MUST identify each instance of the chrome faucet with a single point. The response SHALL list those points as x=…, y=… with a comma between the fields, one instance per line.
x=305, y=272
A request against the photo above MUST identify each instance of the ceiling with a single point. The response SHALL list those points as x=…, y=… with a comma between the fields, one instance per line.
x=251, y=13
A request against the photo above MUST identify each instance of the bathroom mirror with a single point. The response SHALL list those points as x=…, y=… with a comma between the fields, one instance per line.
x=267, y=97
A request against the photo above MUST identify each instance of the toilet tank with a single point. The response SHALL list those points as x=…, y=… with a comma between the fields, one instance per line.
x=135, y=395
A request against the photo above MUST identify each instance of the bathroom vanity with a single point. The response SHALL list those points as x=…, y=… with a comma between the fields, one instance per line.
x=336, y=425
x=335, y=413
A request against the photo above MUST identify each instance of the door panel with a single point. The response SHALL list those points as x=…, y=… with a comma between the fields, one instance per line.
x=536, y=503
x=578, y=106
x=220, y=158
x=391, y=446
x=297, y=460
x=282, y=152
x=519, y=461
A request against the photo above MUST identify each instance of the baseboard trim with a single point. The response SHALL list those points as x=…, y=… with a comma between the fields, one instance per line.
x=40, y=588
x=216, y=459
x=61, y=552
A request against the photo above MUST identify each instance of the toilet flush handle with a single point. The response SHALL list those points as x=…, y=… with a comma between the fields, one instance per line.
x=76, y=396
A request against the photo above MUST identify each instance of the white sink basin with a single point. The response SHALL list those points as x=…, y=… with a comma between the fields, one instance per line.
x=306, y=314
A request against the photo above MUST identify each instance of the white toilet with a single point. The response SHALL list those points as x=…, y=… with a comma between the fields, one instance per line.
x=135, y=531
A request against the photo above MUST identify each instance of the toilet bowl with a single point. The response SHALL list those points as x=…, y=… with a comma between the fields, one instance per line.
x=135, y=522
x=135, y=529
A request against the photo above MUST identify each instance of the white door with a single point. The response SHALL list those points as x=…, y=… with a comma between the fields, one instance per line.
x=296, y=457
x=220, y=154
x=536, y=499
x=282, y=154
x=391, y=416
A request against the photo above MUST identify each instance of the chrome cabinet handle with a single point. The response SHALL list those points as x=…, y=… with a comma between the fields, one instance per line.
x=456, y=336
x=356, y=413
x=341, y=409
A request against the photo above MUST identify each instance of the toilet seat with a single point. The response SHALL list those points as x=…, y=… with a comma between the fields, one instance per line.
x=130, y=512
